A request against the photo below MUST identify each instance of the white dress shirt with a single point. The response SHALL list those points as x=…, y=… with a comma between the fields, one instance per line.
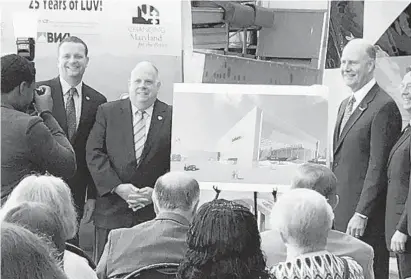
x=360, y=94
x=77, y=97
x=148, y=111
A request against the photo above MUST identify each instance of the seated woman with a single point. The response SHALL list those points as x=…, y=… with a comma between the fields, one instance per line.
x=303, y=217
x=25, y=255
x=223, y=242
x=40, y=219
x=54, y=192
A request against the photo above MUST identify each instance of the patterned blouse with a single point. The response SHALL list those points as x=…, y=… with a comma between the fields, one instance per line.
x=318, y=265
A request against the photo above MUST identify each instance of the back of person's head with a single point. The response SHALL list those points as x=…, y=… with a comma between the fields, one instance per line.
x=40, y=219
x=15, y=70
x=303, y=217
x=176, y=191
x=318, y=178
x=50, y=190
x=25, y=255
x=223, y=242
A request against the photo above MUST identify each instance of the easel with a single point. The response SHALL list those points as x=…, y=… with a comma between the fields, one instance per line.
x=274, y=193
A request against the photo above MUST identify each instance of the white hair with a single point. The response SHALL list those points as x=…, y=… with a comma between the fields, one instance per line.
x=303, y=217
x=49, y=190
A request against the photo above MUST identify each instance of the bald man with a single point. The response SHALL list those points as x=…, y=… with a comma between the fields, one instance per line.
x=162, y=240
x=368, y=124
x=127, y=150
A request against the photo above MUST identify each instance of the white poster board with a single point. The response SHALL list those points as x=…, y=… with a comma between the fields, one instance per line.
x=247, y=138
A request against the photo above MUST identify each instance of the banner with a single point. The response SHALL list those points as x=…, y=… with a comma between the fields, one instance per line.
x=118, y=33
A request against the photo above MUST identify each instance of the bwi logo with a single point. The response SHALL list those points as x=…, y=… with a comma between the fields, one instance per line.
x=51, y=37
x=147, y=14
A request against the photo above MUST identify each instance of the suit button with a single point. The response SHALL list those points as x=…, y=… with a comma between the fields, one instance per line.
x=335, y=164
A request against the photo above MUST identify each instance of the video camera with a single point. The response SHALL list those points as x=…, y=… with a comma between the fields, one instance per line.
x=26, y=49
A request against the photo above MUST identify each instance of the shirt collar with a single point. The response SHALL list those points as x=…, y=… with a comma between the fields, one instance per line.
x=360, y=94
x=148, y=110
x=66, y=87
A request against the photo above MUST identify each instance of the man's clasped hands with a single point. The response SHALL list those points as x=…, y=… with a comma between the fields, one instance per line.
x=136, y=198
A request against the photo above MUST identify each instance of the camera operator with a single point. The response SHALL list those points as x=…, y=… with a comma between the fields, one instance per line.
x=29, y=143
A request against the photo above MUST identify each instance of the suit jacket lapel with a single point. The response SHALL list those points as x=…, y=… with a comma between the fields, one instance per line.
x=339, y=120
x=362, y=107
x=59, y=111
x=405, y=135
x=157, y=120
x=125, y=122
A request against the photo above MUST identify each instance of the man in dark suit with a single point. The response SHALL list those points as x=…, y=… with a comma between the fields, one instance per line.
x=127, y=150
x=398, y=187
x=74, y=106
x=368, y=124
x=175, y=198
x=29, y=143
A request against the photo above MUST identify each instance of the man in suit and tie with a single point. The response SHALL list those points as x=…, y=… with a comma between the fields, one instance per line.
x=74, y=107
x=175, y=198
x=29, y=143
x=127, y=151
x=368, y=125
x=397, y=236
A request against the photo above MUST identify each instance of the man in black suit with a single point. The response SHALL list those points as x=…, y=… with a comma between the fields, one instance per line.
x=368, y=124
x=128, y=149
x=74, y=107
x=397, y=236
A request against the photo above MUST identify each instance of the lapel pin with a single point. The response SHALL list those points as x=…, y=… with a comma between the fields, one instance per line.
x=159, y=117
x=87, y=98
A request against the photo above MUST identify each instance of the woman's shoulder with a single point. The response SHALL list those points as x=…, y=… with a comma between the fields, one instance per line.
x=77, y=267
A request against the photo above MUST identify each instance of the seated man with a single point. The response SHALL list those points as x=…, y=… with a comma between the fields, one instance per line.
x=321, y=179
x=162, y=240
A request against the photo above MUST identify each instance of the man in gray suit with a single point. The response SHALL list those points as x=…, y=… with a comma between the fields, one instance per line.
x=162, y=240
x=29, y=143
x=368, y=124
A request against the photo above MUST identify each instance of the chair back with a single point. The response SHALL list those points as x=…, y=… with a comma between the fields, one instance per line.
x=155, y=271
x=80, y=252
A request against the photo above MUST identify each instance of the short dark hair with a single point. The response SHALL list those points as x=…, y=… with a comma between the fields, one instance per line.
x=176, y=191
x=15, y=69
x=74, y=39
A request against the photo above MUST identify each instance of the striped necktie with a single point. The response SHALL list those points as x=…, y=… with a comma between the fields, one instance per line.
x=139, y=128
x=71, y=114
x=347, y=113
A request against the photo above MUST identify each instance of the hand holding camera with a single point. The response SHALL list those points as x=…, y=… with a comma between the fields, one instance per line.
x=43, y=102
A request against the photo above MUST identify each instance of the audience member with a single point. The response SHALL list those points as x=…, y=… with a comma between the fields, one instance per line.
x=29, y=143
x=304, y=218
x=223, y=242
x=162, y=240
x=25, y=255
x=53, y=191
x=40, y=219
x=320, y=179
